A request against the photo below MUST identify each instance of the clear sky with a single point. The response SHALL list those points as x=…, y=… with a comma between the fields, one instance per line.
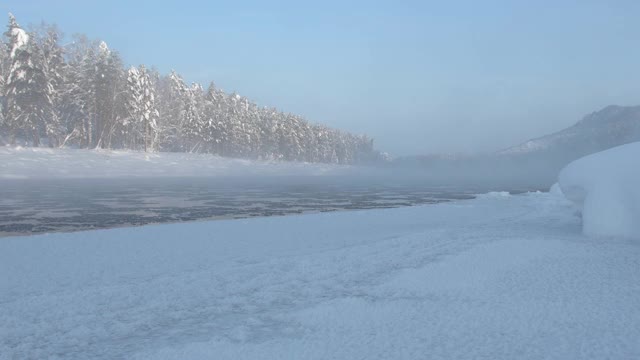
x=418, y=76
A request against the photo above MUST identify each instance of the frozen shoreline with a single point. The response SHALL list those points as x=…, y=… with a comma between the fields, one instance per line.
x=44, y=163
x=497, y=277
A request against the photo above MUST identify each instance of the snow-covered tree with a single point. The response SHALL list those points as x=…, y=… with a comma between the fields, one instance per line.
x=4, y=69
x=107, y=82
x=82, y=94
x=25, y=89
x=216, y=133
x=194, y=124
x=51, y=60
x=141, y=124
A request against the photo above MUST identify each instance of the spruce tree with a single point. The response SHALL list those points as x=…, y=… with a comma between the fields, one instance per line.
x=27, y=99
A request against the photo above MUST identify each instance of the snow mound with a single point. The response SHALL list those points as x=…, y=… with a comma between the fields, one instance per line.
x=606, y=187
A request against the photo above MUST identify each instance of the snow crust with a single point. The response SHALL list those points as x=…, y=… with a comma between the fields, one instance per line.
x=499, y=277
x=44, y=163
x=606, y=188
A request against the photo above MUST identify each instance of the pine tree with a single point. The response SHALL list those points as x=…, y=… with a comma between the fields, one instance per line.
x=4, y=69
x=150, y=114
x=27, y=99
x=141, y=126
x=51, y=58
x=79, y=92
x=108, y=80
x=216, y=131
x=193, y=122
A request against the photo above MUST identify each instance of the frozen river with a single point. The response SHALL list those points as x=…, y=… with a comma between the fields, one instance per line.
x=36, y=206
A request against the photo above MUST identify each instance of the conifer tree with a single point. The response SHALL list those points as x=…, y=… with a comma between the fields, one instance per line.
x=27, y=101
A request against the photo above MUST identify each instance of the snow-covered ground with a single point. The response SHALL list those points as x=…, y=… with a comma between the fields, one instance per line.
x=498, y=277
x=44, y=163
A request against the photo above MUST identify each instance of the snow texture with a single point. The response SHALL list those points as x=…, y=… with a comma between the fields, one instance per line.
x=499, y=277
x=42, y=163
x=606, y=188
x=21, y=39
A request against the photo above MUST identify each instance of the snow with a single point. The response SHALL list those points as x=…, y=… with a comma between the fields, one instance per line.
x=21, y=39
x=606, y=188
x=498, y=277
x=44, y=163
x=529, y=146
x=104, y=48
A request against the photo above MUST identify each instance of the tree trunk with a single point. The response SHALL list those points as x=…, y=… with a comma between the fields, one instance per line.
x=36, y=137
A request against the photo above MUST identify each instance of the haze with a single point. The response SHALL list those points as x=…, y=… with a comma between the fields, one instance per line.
x=419, y=77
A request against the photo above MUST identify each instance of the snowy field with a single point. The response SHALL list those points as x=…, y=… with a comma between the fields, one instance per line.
x=498, y=277
x=44, y=163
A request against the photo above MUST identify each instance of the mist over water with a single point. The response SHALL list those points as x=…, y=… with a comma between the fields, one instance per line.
x=36, y=206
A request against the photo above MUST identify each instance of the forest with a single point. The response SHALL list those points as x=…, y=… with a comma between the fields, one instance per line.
x=82, y=95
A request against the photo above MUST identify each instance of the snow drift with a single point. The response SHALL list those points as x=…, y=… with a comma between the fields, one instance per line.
x=606, y=187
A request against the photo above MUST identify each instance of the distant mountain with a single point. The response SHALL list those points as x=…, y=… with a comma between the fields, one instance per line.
x=537, y=162
x=601, y=130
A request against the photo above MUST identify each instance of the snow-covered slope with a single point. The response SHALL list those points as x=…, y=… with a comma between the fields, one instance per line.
x=609, y=127
x=606, y=188
x=43, y=163
x=499, y=277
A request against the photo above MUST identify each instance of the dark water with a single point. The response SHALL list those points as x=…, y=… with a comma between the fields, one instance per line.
x=30, y=207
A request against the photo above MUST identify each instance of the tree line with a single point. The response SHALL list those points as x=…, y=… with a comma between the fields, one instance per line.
x=82, y=95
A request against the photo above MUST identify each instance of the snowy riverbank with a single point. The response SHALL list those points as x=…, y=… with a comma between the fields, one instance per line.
x=44, y=163
x=498, y=277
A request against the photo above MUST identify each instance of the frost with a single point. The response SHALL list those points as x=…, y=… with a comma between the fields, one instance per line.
x=104, y=49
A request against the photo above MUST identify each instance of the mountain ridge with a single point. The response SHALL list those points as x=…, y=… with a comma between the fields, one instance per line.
x=611, y=126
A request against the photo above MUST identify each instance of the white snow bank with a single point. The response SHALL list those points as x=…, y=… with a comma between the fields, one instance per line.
x=43, y=163
x=492, y=278
x=606, y=187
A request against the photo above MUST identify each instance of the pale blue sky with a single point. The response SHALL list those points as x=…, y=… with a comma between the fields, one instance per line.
x=418, y=76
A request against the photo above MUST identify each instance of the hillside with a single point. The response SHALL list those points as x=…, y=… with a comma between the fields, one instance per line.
x=600, y=130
